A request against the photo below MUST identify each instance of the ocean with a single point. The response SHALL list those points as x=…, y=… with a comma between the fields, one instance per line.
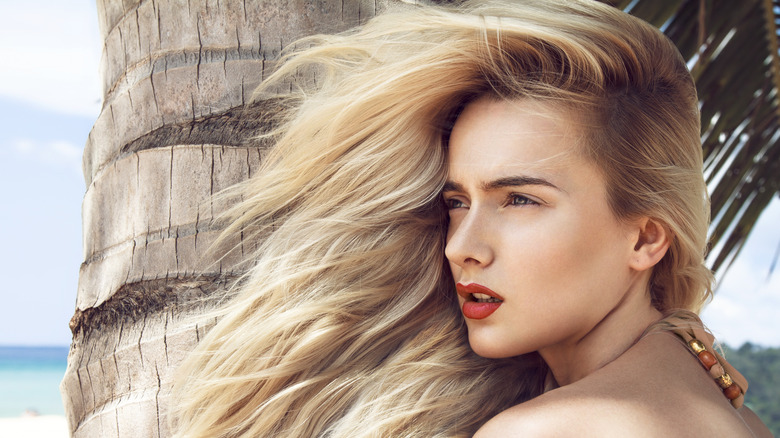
x=30, y=379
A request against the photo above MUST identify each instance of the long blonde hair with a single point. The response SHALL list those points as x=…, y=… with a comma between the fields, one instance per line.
x=347, y=324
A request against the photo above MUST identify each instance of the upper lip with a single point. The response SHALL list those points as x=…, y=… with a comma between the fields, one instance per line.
x=466, y=290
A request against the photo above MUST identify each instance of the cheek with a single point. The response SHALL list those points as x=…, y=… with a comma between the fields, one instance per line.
x=569, y=254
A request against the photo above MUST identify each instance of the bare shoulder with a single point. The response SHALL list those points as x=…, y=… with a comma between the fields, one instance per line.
x=566, y=413
x=657, y=388
x=571, y=413
x=755, y=424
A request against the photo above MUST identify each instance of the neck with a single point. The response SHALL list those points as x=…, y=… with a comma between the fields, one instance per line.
x=606, y=341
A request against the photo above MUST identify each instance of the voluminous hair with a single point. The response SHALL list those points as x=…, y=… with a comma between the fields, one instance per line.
x=347, y=325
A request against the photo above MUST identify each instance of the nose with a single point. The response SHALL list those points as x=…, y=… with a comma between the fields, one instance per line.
x=468, y=241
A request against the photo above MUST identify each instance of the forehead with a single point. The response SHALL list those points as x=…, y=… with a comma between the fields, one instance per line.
x=504, y=136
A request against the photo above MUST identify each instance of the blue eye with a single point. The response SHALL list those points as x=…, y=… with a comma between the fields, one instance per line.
x=520, y=200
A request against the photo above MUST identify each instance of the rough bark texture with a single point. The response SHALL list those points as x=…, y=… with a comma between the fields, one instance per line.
x=174, y=129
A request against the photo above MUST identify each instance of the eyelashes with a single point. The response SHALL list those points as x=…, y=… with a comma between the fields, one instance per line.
x=512, y=199
x=515, y=199
x=453, y=203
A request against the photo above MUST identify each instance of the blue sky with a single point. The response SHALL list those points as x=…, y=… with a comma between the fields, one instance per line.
x=49, y=98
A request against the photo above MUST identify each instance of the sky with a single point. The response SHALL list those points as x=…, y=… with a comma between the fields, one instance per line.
x=49, y=98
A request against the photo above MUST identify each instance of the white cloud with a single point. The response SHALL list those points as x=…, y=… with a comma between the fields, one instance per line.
x=23, y=146
x=65, y=149
x=51, y=51
x=58, y=153
x=747, y=304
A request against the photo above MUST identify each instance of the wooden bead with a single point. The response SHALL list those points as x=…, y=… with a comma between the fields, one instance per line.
x=732, y=392
x=707, y=359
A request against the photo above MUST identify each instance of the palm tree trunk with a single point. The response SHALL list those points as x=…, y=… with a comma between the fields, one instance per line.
x=174, y=129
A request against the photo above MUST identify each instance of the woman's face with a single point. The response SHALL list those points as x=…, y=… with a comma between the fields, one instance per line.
x=530, y=225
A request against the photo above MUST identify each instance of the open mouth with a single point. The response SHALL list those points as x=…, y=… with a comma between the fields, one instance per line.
x=482, y=298
x=480, y=302
x=477, y=293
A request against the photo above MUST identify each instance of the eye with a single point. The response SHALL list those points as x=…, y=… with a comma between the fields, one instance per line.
x=515, y=199
x=453, y=203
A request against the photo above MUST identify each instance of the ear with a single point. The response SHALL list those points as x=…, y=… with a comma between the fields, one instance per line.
x=652, y=242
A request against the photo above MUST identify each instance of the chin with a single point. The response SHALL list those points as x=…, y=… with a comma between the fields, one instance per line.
x=488, y=350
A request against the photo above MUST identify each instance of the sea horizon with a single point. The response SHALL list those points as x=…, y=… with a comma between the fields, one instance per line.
x=30, y=376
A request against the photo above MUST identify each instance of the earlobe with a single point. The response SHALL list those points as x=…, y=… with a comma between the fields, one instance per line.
x=652, y=242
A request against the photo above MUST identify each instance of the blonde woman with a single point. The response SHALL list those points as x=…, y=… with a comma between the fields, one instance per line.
x=550, y=151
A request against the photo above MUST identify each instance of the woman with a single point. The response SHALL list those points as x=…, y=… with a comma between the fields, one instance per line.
x=543, y=263
x=562, y=139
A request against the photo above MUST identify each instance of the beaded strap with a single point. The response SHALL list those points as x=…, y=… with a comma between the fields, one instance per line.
x=731, y=390
x=729, y=379
x=687, y=326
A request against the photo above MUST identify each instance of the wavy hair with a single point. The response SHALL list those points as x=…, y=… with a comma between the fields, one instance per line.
x=347, y=325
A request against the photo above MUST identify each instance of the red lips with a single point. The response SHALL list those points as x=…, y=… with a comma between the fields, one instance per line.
x=473, y=309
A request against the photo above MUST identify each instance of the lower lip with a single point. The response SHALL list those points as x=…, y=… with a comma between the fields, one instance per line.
x=475, y=310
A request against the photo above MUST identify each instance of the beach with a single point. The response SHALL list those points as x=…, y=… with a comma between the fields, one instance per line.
x=30, y=400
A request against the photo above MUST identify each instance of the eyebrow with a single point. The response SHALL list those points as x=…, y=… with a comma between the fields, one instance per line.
x=509, y=181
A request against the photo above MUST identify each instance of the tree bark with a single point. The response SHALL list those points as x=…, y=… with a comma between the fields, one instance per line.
x=175, y=128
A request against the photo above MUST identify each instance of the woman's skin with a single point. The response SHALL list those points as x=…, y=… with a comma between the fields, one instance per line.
x=532, y=236
x=529, y=220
